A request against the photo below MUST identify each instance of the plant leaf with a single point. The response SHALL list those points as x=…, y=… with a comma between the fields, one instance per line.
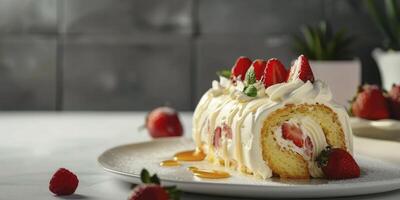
x=393, y=19
x=321, y=43
x=308, y=34
x=381, y=21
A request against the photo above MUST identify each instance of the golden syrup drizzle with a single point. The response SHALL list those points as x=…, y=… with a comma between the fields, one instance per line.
x=192, y=168
x=169, y=163
x=210, y=174
x=193, y=155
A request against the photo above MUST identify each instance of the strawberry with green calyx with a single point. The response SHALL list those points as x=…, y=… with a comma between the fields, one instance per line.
x=370, y=103
x=151, y=189
x=337, y=163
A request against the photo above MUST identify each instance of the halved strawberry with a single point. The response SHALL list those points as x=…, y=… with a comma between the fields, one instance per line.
x=259, y=66
x=370, y=103
x=301, y=69
x=241, y=66
x=274, y=73
x=217, y=137
x=292, y=132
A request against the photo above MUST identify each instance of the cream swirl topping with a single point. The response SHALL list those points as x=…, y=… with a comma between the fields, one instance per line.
x=298, y=91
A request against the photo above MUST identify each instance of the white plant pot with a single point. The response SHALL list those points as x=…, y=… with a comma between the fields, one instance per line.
x=343, y=77
x=389, y=66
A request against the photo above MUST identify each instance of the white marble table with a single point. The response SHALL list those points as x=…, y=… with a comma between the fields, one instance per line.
x=34, y=144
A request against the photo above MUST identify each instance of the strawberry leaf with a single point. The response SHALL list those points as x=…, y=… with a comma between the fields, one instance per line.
x=224, y=73
x=154, y=179
x=173, y=192
x=323, y=157
x=145, y=176
x=250, y=76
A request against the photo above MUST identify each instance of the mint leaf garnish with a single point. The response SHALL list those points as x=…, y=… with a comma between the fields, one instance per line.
x=251, y=91
x=224, y=73
x=250, y=76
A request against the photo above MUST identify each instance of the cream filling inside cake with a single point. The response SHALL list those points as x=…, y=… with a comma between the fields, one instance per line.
x=313, y=132
x=225, y=105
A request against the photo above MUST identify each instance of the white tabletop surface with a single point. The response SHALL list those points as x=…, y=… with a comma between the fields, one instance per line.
x=35, y=144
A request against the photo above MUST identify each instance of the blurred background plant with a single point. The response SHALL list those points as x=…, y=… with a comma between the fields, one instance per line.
x=387, y=19
x=322, y=43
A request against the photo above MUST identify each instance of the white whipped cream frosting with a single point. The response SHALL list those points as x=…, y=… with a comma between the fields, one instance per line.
x=225, y=103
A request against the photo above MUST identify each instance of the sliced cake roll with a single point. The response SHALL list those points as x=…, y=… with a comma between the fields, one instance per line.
x=265, y=121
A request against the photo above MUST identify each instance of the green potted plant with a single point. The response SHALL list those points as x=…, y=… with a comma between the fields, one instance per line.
x=387, y=19
x=330, y=58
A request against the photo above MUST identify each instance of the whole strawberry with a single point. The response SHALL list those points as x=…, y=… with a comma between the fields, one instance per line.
x=152, y=189
x=63, y=182
x=149, y=191
x=338, y=164
x=163, y=122
x=394, y=101
x=370, y=103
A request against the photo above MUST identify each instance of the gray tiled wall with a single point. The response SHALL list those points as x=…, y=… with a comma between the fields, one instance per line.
x=137, y=54
x=126, y=16
x=28, y=16
x=27, y=72
x=121, y=73
x=256, y=17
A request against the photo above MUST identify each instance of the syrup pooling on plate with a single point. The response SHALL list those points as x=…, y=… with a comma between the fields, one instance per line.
x=193, y=155
x=210, y=174
x=192, y=168
x=169, y=163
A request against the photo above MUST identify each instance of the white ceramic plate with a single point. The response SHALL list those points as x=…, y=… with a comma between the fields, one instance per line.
x=127, y=161
x=379, y=129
